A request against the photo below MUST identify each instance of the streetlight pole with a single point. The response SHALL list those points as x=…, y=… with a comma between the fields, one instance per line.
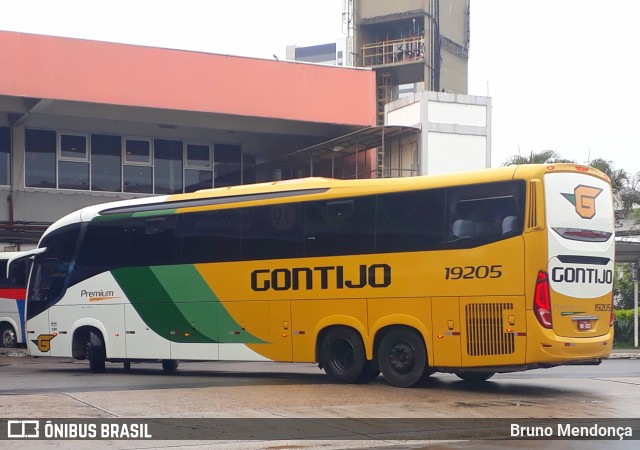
x=634, y=278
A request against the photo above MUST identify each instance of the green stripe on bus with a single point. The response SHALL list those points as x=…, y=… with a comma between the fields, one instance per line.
x=174, y=300
x=155, y=306
x=160, y=212
x=111, y=217
x=199, y=304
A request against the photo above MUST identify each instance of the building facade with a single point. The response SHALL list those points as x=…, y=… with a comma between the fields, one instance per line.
x=413, y=45
x=85, y=122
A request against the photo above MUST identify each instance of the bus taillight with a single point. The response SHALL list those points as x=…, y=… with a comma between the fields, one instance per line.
x=542, y=300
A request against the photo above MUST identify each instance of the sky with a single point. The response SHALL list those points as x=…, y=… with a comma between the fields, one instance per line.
x=563, y=75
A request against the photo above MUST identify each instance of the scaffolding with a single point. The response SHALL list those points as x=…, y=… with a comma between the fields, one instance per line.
x=384, y=94
x=393, y=51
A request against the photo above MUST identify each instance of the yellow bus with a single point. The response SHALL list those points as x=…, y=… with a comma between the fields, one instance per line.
x=472, y=273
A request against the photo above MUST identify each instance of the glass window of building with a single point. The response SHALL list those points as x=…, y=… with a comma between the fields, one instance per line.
x=137, y=179
x=198, y=173
x=73, y=175
x=227, y=167
x=5, y=155
x=73, y=147
x=137, y=171
x=198, y=156
x=40, y=158
x=137, y=151
x=197, y=179
x=168, y=166
x=106, y=163
x=73, y=161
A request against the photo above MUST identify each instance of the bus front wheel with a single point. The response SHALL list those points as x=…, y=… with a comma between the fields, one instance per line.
x=169, y=365
x=96, y=352
x=8, y=334
x=402, y=357
x=342, y=355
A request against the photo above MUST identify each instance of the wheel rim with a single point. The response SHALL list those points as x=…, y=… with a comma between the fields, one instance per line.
x=8, y=337
x=402, y=357
x=342, y=355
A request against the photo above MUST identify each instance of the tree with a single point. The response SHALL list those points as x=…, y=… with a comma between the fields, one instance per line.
x=542, y=157
x=619, y=178
x=623, y=287
x=631, y=194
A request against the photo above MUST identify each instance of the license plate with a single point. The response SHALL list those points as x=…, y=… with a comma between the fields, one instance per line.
x=584, y=324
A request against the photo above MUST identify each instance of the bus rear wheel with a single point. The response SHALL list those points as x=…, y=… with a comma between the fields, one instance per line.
x=475, y=377
x=9, y=337
x=402, y=357
x=342, y=355
x=96, y=353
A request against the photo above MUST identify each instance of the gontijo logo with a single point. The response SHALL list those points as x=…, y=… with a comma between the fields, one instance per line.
x=584, y=200
x=44, y=342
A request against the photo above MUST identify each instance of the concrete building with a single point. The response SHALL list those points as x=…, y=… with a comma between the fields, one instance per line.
x=84, y=122
x=456, y=134
x=419, y=50
x=334, y=54
x=413, y=45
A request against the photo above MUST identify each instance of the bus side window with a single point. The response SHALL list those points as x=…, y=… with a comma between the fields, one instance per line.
x=18, y=274
x=271, y=232
x=410, y=221
x=210, y=236
x=463, y=229
x=484, y=213
x=340, y=227
x=510, y=225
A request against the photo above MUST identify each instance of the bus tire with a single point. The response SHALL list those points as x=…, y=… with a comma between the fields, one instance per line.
x=169, y=365
x=96, y=352
x=342, y=355
x=402, y=357
x=9, y=339
x=475, y=377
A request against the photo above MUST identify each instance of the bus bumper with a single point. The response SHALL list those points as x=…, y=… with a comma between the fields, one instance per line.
x=548, y=348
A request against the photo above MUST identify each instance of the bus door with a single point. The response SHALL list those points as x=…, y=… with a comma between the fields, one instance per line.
x=446, y=331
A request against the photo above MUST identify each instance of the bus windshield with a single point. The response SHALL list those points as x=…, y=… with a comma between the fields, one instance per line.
x=51, y=268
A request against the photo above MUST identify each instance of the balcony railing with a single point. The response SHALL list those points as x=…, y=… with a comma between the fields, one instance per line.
x=393, y=52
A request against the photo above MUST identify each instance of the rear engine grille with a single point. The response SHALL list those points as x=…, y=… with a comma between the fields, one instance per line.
x=485, y=332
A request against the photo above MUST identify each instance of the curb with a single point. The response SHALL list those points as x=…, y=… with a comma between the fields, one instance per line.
x=624, y=355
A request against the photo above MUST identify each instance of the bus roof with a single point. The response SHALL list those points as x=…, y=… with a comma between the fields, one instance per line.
x=312, y=188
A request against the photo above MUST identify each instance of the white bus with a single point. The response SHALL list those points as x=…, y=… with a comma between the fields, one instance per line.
x=12, y=300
